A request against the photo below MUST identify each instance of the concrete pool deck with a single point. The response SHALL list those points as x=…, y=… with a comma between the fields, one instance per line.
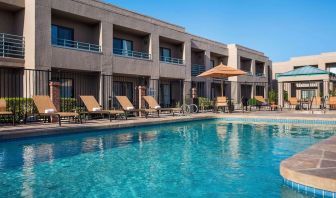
x=40, y=129
x=314, y=167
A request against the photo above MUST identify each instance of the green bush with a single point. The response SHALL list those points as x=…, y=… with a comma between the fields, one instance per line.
x=204, y=103
x=69, y=104
x=20, y=106
x=252, y=102
x=272, y=96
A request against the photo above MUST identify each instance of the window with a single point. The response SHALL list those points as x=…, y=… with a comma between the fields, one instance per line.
x=212, y=63
x=61, y=34
x=67, y=90
x=260, y=91
x=308, y=93
x=122, y=46
x=331, y=67
x=165, y=53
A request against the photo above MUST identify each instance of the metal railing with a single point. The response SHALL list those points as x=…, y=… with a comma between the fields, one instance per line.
x=197, y=69
x=260, y=75
x=76, y=45
x=12, y=46
x=172, y=60
x=248, y=73
x=133, y=54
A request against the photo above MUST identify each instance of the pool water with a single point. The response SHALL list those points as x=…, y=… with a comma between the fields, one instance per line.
x=209, y=158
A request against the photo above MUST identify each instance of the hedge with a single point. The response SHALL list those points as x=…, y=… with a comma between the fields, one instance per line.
x=20, y=106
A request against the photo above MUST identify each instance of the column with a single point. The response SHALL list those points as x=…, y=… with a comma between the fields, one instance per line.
x=208, y=81
x=55, y=94
x=325, y=88
x=280, y=94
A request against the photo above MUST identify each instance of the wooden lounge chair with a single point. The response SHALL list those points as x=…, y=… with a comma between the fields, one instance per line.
x=261, y=102
x=4, y=112
x=128, y=107
x=46, y=108
x=293, y=102
x=332, y=102
x=152, y=104
x=221, y=102
x=93, y=107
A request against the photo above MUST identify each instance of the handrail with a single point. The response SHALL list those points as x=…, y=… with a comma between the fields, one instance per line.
x=172, y=60
x=76, y=45
x=12, y=46
x=261, y=74
x=129, y=53
x=197, y=69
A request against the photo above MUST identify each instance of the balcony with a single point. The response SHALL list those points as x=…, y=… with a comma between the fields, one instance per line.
x=170, y=60
x=11, y=46
x=197, y=69
x=132, y=54
x=76, y=45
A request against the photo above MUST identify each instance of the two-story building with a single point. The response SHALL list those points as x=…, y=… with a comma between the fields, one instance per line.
x=95, y=48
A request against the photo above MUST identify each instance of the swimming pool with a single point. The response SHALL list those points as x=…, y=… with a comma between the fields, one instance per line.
x=210, y=158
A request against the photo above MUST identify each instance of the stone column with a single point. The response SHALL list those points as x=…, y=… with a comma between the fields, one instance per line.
x=280, y=94
x=208, y=81
x=142, y=92
x=55, y=94
x=325, y=88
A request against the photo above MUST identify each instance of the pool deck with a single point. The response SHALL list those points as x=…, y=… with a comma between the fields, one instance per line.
x=40, y=129
x=314, y=167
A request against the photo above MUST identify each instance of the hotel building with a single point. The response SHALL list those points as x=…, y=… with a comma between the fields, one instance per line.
x=95, y=48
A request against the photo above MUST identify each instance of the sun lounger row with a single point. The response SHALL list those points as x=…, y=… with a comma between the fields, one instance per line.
x=47, y=110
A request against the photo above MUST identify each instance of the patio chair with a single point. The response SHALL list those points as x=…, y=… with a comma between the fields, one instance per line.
x=332, y=102
x=153, y=104
x=4, y=112
x=46, y=108
x=221, y=102
x=261, y=102
x=128, y=107
x=94, y=108
x=293, y=102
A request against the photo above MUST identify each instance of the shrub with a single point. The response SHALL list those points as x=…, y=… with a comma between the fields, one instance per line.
x=204, y=103
x=252, y=102
x=272, y=96
x=69, y=104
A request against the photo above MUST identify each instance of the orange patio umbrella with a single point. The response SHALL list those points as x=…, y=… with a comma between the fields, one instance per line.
x=222, y=71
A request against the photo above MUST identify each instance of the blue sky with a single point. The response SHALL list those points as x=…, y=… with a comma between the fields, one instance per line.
x=279, y=28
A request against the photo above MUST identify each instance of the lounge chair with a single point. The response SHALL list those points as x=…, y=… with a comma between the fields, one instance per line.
x=293, y=102
x=128, y=107
x=332, y=102
x=221, y=102
x=4, y=112
x=93, y=107
x=152, y=104
x=46, y=108
x=261, y=102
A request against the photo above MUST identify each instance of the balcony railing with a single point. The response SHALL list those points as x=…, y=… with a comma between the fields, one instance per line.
x=12, y=46
x=172, y=60
x=260, y=75
x=197, y=69
x=133, y=54
x=76, y=45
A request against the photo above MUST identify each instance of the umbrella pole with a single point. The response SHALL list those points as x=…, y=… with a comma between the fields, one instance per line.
x=222, y=87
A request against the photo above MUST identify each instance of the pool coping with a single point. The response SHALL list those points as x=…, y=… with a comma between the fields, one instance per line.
x=313, y=170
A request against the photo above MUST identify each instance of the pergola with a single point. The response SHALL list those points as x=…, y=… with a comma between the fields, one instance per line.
x=305, y=82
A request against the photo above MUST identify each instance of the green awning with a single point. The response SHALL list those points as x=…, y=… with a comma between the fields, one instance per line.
x=305, y=71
